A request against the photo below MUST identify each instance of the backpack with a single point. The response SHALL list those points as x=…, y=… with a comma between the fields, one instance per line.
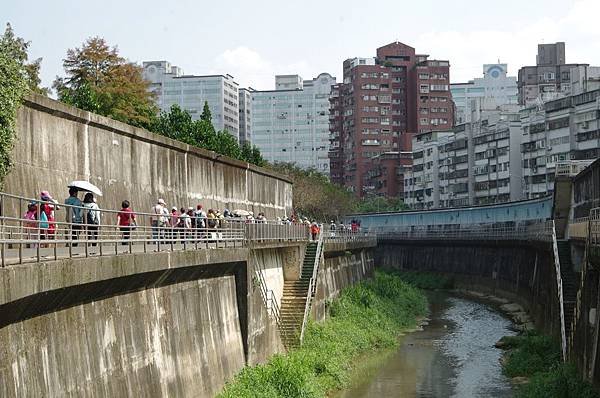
x=44, y=220
x=91, y=218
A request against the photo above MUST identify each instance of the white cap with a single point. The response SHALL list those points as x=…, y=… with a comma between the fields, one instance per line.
x=161, y=201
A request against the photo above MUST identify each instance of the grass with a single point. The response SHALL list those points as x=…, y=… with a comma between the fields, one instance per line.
x=538, y=358
x=366, y=317
x=426, y=280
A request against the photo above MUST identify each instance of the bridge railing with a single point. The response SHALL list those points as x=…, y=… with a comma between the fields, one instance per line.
x=49, y=231
x=594, y=226
x=338, y=235
x=537, y=231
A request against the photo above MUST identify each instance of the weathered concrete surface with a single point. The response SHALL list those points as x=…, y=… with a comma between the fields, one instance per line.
x=156, y=325
x=523, y=273
x=23, y=280
x=338, y=272
x=57, y=143
x=172, y=341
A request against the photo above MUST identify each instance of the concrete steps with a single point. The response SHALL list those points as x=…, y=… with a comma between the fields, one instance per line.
x=293, y=302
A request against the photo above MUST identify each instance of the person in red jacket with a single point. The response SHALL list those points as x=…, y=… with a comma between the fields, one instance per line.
x=314, y=230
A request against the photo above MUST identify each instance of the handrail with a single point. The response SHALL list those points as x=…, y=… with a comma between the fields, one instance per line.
x=312, y=284
x=539, y=231
x=563, y=331
x=269, y=299
x=64, y=231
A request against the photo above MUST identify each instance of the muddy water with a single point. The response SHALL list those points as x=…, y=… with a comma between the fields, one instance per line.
x=453, y=356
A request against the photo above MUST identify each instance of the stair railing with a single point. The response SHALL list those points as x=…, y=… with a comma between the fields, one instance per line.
x=563, y=331
x=268, y=297
x=312, y=286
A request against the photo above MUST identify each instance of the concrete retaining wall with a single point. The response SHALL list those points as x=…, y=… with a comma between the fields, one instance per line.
x=58, y=143
x=177, y=340
x=522, y=273
x=341, y=270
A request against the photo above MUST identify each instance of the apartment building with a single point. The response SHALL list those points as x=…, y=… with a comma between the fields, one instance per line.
x=421, y=181
x=291, y=124
x=190, y=92
x=475, y=163
x=494, y=89
x=381, y=104
x=549, y=79
x=245, y=119
x=559, y=131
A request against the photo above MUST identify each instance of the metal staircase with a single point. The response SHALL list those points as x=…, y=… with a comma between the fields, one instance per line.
x=570, y=284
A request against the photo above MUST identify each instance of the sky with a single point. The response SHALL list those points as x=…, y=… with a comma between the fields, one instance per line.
x=255, y=40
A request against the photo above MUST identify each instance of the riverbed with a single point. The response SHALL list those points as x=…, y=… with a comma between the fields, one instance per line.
x=453, y=356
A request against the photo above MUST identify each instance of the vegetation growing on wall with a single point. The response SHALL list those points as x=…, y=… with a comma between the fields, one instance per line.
x=538, y=358
x=366, y=316
x=17, y=78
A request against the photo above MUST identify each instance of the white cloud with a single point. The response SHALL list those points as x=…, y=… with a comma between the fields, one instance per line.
x=249, y=68
x=517, y=47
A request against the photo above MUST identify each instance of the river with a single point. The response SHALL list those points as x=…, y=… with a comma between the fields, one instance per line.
x=453, y=356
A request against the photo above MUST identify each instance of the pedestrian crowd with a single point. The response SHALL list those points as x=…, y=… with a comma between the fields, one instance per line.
x=178, y=223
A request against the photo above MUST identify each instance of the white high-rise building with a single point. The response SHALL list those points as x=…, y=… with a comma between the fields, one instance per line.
x=190, y=92
x=291, y=124
x=491, y=91
x=245, y=101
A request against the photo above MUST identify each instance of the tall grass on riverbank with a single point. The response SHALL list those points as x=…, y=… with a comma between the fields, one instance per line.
x=426, y=280
x=365, y=317
x=538, y=358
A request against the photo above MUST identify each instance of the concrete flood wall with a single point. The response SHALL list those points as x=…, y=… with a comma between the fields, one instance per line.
x=338, y=271
x=57, y=143
x=520, y=272
x=155, y=325
x=178, y=340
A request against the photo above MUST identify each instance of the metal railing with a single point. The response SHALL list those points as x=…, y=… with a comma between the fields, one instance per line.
x=312, y=286
x=594, y=226
x=346, y=236
x=268, y=296
x=559, y=286
x=537, y=231
x=34, y=230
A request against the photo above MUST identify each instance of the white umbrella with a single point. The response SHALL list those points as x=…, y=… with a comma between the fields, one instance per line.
x=241, y=213
x=85, y=186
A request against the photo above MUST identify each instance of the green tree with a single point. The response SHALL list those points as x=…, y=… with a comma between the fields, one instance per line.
x=380, y=204
x=17, y=78
x=206, y=116
x=314, y=196
x=178, y=124
x=99, y=80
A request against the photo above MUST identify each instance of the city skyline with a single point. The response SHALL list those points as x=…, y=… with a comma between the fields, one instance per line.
x=328, y=35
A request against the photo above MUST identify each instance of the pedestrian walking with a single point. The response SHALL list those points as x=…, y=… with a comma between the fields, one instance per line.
x=92, y=217
x=314, y=230
x=47, y=216
x=126, y=221
x=74, y=215
x=158, y=220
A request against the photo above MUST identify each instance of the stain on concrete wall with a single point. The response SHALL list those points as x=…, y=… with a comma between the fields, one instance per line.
x=57, y=144
x=338, y=272
x=178, y=340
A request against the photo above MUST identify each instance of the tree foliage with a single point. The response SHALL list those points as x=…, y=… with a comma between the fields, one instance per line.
x=99, y=80
x=314, y=196
x=17, y=78
x=179, y=125
x=380, y=204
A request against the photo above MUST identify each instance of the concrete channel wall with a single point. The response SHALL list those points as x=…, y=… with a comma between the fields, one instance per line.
x=57, y=143
x=154, y=325
x=522, y=272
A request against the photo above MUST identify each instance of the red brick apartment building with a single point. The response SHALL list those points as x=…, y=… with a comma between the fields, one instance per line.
x=375, y=112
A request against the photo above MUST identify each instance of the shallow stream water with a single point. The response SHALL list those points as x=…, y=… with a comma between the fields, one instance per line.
x=453, y=356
